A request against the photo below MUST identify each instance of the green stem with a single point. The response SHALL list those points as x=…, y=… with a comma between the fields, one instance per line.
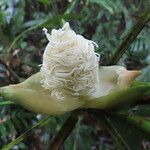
x=105, y=121
x=6, y=103
x=26, y=133
x=130, y=37
x=64, y=131
x=140, y=122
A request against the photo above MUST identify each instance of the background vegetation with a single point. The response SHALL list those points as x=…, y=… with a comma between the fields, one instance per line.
x=22, y=43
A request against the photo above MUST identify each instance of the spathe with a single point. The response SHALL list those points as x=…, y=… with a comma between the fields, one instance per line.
x=114, y=78
x=32, y=96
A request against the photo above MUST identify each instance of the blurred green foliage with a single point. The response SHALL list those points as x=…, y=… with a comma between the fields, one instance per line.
x=22, y=43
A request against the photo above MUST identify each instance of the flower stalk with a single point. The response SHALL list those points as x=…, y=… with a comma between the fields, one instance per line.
x=65, y=131
x=141, y=122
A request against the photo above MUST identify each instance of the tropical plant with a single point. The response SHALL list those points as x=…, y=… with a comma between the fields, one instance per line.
x=106, y=22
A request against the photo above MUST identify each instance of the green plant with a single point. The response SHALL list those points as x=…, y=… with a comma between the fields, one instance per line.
x=117, y=123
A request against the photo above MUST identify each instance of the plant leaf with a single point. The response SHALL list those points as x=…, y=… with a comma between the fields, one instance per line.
x=109, y=5
x=2, y=103
x=25, y=134
x=131, y=136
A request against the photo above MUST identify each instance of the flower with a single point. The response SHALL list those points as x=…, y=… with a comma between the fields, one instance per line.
x=70, y=65
x=70, y=72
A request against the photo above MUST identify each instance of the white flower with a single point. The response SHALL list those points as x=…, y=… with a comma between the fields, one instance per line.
x=70, y=65
x=70, y=69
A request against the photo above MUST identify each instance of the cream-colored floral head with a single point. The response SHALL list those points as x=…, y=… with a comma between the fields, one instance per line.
x=70, y=65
